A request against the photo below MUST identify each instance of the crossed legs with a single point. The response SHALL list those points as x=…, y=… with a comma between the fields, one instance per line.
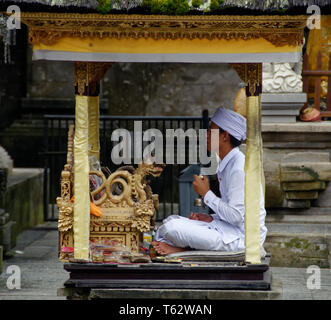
x=178, y=234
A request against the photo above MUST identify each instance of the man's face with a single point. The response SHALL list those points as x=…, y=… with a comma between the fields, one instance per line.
x=214, y=138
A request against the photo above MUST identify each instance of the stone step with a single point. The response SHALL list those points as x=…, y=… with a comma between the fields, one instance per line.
x=298, y=250
x=299, y=212
x=301, y=228
x=303, y=219
x=301, y=195
x=285, y=99
x=306, y=157
x=303, y=186
x=296, y=204
x=305, y=171
x=278, y=119
x=299, y=240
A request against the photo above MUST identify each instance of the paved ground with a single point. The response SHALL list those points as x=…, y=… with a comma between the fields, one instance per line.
x=42, y=274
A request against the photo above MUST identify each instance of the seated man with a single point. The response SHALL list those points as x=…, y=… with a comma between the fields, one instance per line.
x=224, y=230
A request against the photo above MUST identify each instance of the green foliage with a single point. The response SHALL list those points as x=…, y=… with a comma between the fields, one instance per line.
x=146, y=4
x=167, y=7
x=215, y=4
x=103, y=6
x=182, y=7
x=196, y=3
x=158, y=6
x=283, y=10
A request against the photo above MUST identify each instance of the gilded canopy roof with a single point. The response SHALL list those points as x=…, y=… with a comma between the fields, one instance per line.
x=48, y=28
x=119, y=34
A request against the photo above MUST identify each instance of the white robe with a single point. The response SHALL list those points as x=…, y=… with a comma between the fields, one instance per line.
x=226, y=232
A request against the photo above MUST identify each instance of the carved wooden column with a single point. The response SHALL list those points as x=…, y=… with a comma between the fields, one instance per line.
x=251, y=74
x=86, y=143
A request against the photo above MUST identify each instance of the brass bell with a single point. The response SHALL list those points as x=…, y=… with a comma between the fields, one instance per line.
x=198, y=202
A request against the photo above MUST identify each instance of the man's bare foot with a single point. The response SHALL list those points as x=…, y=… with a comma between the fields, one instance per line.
x=164, y=248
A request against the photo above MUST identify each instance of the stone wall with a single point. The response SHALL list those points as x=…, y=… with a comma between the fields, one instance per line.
x=169, y=89
x=22, y=204
x=141, y=88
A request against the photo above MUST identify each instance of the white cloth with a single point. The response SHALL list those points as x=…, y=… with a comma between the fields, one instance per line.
x=183, y=232
x=230, y=121
x=226, y=232
x=229, y=217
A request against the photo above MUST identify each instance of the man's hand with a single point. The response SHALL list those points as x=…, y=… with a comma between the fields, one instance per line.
x=201, y=217
x=200, y=186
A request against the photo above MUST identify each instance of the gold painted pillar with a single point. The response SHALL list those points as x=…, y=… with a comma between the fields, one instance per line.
x=93, y=115
x=254, y=177
x=251, y=74
x=87, y=87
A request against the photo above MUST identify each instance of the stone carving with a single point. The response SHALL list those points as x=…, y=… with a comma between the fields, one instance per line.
x=303, y=175
x=125, y=198
x=281, y=77
x=294, y=180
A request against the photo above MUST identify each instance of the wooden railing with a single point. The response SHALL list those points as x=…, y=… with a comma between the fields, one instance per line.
x=317, y=74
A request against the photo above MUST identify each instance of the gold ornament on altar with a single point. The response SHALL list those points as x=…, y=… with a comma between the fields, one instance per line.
x=125, y=198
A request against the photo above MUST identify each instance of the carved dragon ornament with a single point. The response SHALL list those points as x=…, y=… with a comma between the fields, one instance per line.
x=125, y=188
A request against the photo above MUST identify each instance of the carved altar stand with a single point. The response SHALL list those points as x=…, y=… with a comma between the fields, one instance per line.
x=94, y=42
x=125, y=200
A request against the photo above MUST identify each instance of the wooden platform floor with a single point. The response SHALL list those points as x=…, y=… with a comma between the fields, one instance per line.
x=95, y=278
